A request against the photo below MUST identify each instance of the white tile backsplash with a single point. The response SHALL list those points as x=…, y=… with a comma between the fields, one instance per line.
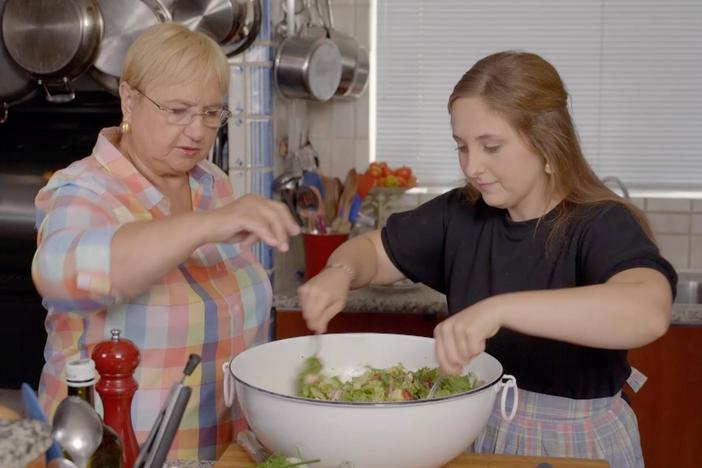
x=362, y=114
x=344, y=118
x=344, y=18
x=669, y=223
x=697, y=223
x=675, y=248
x=667, y=204
x=363, y=25
x=696, y=252
x=344, y=156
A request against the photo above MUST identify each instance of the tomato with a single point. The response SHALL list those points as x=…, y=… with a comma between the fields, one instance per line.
x=404, y=172
x=375, y=172
x=406, y=395
x=401, y=181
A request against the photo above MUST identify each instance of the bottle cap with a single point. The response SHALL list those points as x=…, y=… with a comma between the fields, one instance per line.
x=80, y=373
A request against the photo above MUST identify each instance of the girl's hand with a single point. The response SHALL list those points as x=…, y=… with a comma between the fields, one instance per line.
x=249, y=219
x=462, y=336
x=324, y=296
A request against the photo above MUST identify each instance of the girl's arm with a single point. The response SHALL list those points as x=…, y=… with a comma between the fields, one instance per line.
x=630, y=310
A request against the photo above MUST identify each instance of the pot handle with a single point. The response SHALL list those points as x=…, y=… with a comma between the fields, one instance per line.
x=228, y=385
x=508, y=382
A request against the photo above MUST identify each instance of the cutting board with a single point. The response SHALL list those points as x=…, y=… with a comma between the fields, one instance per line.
x=235, y=457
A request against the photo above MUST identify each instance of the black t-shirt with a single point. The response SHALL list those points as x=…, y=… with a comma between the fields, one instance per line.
x=473, y=251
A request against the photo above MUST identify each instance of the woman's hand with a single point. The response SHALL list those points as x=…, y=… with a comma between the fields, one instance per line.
x=251, y=218
x=324, y=296
x=462, y=336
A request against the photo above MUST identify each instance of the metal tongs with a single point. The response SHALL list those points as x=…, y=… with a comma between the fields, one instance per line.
x=154, y=451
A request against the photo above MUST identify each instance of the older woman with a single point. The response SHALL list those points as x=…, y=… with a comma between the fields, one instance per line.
x=145, y=235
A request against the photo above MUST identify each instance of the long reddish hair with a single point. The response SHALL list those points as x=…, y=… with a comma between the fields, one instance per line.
x=528, y=92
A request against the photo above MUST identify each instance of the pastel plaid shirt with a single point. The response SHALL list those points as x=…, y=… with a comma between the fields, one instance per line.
x=216, y=303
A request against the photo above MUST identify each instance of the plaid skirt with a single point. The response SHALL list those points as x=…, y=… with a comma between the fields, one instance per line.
x=546, y=425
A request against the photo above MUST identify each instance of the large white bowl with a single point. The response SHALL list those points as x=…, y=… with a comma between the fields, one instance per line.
x=421, y=434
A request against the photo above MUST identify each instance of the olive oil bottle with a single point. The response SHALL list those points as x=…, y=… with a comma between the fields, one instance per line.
x=80, y=379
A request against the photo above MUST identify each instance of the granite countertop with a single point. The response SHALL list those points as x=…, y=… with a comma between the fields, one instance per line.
x=420, y=299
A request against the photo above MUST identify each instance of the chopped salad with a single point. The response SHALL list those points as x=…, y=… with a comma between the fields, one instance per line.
x=379, y=385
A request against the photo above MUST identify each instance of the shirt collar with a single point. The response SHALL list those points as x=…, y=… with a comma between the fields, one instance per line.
x=112, y=159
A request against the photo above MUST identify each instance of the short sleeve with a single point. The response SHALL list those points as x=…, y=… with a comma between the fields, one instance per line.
x=614, y=241
x=72, y=262
x=415, y=241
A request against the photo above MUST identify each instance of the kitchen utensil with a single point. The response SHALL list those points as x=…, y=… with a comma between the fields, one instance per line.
x=330, y=198
x=219, y=18
x=307, y=67
x=354, y=62
x=77, y=428
x=342, y=223
x=116, y=360
x=309, y=206
x=153, y=452
x=234, y=24
x=435, y=386
x=336, y=432
x=32, y=410
x=250, y=18
x=359, y=83
x=288, y=197
x=123, y=22
x=54, y=40
x=61, y=463
x=15, y=83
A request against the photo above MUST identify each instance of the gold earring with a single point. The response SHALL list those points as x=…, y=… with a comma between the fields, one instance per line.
x=125, y=127
x=548, y=169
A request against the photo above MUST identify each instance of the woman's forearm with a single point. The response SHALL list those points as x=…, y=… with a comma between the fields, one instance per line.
x=366, y=257
x=624, y=313
x=145, y=251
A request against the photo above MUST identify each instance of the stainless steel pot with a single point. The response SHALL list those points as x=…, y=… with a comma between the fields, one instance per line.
x=218, y=17
x=308, y=67
x=235, y=24
x=15, y=84
x=359, y=83
x=123, y=22
x=54, y=40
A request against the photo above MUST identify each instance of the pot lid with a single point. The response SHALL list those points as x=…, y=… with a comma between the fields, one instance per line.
x=123, y=22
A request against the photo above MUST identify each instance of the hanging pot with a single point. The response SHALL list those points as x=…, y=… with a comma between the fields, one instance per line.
x=234, y=24
x=123, y=22
x=250, y=18
x=15, y=84
x=307, y=67
x=359, y=83
x=54, y=40
x=354, y=59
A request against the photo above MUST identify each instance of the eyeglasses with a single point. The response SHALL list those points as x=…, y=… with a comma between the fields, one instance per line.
x=213, y=118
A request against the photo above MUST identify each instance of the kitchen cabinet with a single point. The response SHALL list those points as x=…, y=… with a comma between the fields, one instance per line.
x=289, y=323
x=669, y=406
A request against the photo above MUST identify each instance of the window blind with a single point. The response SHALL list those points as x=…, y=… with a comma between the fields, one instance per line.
x=633, y=69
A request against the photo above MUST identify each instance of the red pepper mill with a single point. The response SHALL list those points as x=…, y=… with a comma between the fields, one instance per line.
x=115, y=361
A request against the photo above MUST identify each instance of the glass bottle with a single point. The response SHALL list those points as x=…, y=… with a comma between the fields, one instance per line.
x=80, y=379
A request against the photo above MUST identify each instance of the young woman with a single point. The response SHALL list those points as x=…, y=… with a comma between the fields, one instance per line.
x=145, y=235
x=542, y=265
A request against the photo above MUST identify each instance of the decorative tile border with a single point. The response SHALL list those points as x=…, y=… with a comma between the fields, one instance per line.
x=251, y=129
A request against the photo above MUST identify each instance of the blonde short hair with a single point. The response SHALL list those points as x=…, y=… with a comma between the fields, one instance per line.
x=171, y=54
